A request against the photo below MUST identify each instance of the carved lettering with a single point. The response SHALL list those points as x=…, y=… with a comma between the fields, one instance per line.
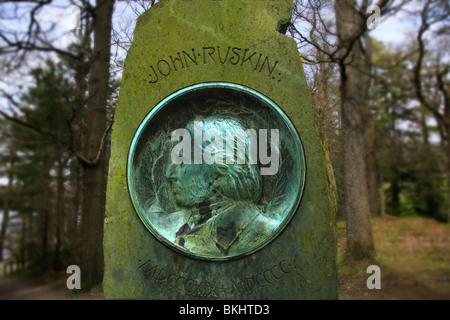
x=212, y=289
x=261, y=281
x=236, y=56
x=210, y=52
x=244, y=59
x=178, y=285
x=249, y=284
x=161, y=275
x=220, y=58
x=187, y=286
x=193, y=58
x=266, y=59
x=257, y=63
x=151, y=270
x=172, y=284
x=176, y=60
x=287, y=265
x=237, y=286
x=215, y=56
x=153, y=77
x=269, y=279
x=164, y=67
x=273, y=272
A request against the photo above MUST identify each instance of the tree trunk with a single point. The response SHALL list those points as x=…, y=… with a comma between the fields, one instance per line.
x=78, y=143
x=23, y=254
x=6, y=200
x=448, y=194
x=5, y=217
x=447, y=172
x=59, y=214
x=359, y=232
x=43, y=228
x=72, y=238
x=372, y=182
x=95, y=174
x=372, y=176
x=382, y=197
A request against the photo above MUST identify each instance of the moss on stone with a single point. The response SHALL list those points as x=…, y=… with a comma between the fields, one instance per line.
x=193, y=38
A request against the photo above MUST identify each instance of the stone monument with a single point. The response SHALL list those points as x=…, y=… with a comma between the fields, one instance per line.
x=219, y=185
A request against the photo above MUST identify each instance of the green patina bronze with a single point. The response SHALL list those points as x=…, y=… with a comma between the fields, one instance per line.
x=224, y=207
x=278, y=239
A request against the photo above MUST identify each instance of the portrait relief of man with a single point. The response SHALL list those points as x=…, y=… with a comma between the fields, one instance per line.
x=216, y=171
x=217, y=203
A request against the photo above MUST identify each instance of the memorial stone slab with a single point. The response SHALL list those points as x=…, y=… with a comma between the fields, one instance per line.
x=219, y=184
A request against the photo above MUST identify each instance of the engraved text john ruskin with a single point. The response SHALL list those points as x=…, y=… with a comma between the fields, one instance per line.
x=230, y=55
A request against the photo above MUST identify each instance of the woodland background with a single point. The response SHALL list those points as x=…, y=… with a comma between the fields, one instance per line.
x=382, y=96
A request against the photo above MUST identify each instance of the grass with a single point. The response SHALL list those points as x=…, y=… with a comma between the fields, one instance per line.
x=414, y=257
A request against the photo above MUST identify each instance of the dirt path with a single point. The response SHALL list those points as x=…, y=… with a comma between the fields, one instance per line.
x=414, y=258
x=15, y=288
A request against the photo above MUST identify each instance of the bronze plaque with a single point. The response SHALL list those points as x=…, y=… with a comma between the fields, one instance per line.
x=216, y=171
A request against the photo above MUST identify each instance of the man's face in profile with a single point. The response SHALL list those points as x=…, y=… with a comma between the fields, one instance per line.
x=190, y=184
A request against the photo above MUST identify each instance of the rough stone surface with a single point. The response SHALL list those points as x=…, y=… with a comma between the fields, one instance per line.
x=180, y=43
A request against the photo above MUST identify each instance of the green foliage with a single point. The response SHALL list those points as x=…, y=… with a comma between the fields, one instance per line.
x=410, y=163
x=42, y=196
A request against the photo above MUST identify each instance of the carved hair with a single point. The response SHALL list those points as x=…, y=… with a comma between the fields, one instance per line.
x=239, y=181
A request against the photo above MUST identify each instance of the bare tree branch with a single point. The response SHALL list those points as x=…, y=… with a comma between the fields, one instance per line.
x=428, y=19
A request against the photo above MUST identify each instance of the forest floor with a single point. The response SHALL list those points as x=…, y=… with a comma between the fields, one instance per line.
x=48, y=288
x=413, y=255
x=414, y=259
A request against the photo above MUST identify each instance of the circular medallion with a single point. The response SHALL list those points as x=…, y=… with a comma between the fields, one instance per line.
x=216, y=171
